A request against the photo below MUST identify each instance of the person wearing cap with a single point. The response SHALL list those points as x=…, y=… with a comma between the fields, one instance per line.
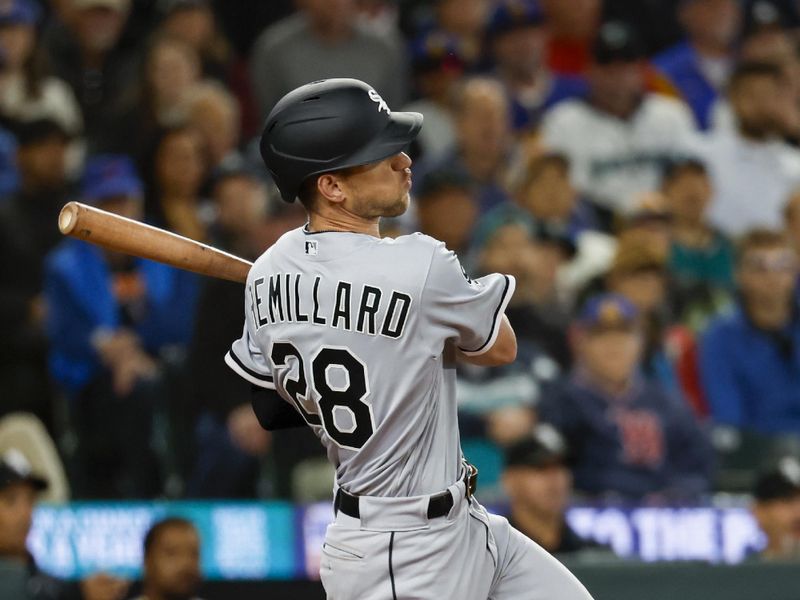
x=20, y=577
x=438, y=62
x=322, y=40
x=619, y=138
x=776, y=508
x=629, y=438
x=27, y=234
x=109, y=319
x=86, y=52
x=538, y=484
x=750, y=356
x=27, y=91
x=697, y=69
x=518, y=40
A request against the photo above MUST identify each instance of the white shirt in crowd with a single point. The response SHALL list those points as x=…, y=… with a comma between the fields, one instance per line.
x=615, y=160
x=752, y=180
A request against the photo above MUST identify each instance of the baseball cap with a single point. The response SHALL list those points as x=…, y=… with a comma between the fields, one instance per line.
x=780, y=482
x=514, y=14
x=15, y=468
x=38, y=130
x=118, y=5
x=436, y=50
x=19, y=12
x=617, y=42
x=607, y=311
x=543, y=448
x=107, y=176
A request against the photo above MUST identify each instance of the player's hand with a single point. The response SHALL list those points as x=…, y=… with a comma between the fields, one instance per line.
x=104, y=587
x=507, y=425
x=246, y=432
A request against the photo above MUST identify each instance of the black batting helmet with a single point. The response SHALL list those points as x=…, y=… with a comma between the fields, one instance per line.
x=329, y=125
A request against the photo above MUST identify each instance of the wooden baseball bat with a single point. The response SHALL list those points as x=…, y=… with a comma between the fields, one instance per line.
x=120, y=234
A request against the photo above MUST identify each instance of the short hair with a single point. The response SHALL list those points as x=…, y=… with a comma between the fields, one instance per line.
x=307, y=192
x=762, y=239
x=152, y=535
x=535, y=166
x=681, y=166
x=750, y=70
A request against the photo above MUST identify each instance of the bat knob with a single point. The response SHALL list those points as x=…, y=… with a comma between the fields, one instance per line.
x=68, y=217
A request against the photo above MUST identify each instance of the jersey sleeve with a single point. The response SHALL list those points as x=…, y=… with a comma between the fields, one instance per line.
x=246, y=358
x=468, y=310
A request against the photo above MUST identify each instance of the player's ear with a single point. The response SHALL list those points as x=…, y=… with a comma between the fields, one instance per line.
x=329, y=187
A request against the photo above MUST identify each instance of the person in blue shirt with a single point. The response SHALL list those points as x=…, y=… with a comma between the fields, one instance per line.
x=111, y=321
x=697, y=69
x=750, y=358
x=630, y=439
x=518, y=39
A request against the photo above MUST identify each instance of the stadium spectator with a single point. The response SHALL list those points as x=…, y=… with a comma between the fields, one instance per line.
x=214, y=113
x=170, y=69
x=466, y=20
x=628, y=437
x=776, y=508
x=484, y=142
x=322, y=40
x=447, y=209
x=750, y=358
x=176, y=174
x=85, y=50
x=639, y=273
x=620, y=138
x=437, y=64
x=27, y=92
x=110, y=317
x=229, y=440
x=573, y=26
x=697, y=69
x=171, y=561
x=699, y=253
x=194, y=23
x=752, y=161
x=22, y=578
x=534, y=253
x=28, y=232
x=538, y=483
x=518, y=37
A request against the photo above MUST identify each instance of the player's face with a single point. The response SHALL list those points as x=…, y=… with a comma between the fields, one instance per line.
x=380, y=189
x=173, y=566
x=16, y=513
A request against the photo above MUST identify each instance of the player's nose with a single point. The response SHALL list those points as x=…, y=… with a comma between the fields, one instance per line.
x=401, y=161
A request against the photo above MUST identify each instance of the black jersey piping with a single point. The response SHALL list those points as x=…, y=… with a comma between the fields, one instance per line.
x=248, y=370
x=391, y=570
x=494, y=318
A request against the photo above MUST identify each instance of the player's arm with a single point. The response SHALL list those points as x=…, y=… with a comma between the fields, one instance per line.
x=272, y=411
x=502, y=352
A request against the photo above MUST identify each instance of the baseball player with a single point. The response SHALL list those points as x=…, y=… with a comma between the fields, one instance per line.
x=358, y=338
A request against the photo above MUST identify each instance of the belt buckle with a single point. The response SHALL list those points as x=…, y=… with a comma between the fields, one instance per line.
x=471, y=479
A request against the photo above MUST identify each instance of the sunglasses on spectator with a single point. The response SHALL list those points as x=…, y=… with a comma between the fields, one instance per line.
x=784, y=262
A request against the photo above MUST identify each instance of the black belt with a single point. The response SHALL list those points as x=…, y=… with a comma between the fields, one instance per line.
x=438, y=505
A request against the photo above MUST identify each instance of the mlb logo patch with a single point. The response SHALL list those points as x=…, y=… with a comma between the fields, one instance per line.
x=311, y=247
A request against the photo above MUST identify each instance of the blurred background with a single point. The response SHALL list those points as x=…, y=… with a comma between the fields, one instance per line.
x=635, y=164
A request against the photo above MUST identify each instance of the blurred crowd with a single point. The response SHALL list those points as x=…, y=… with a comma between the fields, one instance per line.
x=635, y=164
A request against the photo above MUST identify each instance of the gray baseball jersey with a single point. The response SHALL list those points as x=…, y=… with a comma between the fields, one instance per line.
x=359, y=335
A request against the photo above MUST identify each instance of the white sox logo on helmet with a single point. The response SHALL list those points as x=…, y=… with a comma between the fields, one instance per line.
x=375, y=97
